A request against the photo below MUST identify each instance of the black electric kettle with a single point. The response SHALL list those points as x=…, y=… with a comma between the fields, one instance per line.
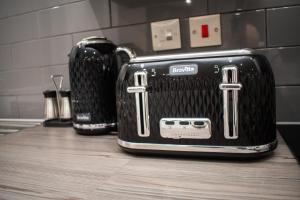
x=93, y=66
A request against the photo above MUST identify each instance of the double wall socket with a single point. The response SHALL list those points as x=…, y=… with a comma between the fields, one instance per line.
x=205, y=31
x=166, y=35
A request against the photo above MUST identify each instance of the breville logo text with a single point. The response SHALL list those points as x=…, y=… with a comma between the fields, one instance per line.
x=83, y=117
x=186, y=69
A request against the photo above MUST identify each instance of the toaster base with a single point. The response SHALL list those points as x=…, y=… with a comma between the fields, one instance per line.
x=94, y=129
x=202, y=150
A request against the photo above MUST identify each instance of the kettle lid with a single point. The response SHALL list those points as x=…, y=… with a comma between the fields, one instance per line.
x=102, y=44
x=94, y=40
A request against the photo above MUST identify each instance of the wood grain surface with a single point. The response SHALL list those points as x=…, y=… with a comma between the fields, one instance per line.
x=56, y=163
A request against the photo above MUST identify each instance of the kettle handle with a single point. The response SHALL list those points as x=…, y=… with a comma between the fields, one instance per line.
x=131, y=54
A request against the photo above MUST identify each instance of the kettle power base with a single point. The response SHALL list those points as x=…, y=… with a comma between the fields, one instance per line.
x=93, y=131
x=57, y=123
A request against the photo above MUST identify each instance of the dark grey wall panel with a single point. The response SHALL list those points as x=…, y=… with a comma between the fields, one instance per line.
x=219, y=6
x=246, y=29
x=31, y=81
x=44, y=52
x=288, y=108
x=283, y=26
x=15, y=7
x=21, y=82
x=132, y=12
x=31, y=106
x=8, y=107
x=18, y=28
x=5, y=57
x=75, y=17
x=285, y=63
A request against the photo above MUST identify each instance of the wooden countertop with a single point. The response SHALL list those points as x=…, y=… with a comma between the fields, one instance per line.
x=56, y=163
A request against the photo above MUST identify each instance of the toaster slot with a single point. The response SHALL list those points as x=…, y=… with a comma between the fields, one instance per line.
x=141, y=101
x=230, y=88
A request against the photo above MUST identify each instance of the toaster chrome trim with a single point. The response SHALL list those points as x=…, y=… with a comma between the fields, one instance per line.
x=192, y=55
x=199, y=148
x=141, y=102
x=94, y=126
x=230, y=83
x=185, y=128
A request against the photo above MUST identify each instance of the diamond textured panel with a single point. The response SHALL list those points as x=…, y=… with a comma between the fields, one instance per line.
x=184, y=97
x=92, y=80
x=257, y=103
x=127, y=123
x=199, y=96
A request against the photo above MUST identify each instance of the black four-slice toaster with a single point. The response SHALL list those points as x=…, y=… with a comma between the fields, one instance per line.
x=212, y=103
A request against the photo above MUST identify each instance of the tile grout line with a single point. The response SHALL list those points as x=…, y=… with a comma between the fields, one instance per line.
x=207, y=7
x=37, y=10
x=33, y=67
x=110, y=13
x=266, y=28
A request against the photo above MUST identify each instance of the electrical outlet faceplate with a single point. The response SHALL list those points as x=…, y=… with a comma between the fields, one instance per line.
x=166, y=35
x=205, y=31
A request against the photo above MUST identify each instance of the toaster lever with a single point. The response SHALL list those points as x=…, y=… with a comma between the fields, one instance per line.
x=136, y=89
x=141, y=102
x=230, y=88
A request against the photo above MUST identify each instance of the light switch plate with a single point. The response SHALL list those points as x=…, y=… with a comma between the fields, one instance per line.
x=166, y=35
x=214, y=31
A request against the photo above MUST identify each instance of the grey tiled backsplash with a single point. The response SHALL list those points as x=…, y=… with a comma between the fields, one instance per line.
x=9, y=107
x=5, y=57
x=31, y=106
x=18, y=28
x=83, y=15
x=244, y=29
x=124, y=12
x=283, y=26
x=20, y=82
x=15, y=7
x=36, y=36
x=220, y=6
x=287, y=99
x=285, y=63
x=43, y=52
